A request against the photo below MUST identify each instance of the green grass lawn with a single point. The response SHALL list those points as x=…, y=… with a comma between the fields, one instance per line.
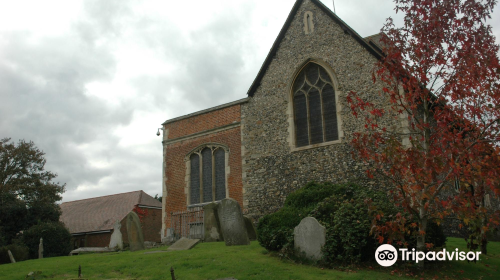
x=215, y=260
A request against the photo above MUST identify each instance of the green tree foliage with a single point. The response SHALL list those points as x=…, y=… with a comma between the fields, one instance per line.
x=19, y=252
x=56, y=239
x=27, y=194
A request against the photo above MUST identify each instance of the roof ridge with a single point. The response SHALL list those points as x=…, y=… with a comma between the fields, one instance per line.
x=101, y=196
x=373, y=35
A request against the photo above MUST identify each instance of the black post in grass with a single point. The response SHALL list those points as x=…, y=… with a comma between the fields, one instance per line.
x=172, y=273
x=79, y=271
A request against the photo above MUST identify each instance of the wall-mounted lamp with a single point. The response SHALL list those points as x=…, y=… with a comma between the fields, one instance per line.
x=158, y=132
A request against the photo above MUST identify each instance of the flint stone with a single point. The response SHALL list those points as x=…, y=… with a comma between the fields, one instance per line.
x=232, y=223
x=116, y=240
x=11, y=257
x=252, y=233
x=183, y=244
x=309, y=237
x=211, y=223
x=134, y=232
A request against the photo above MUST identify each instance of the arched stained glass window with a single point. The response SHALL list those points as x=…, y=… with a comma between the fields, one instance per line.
x=207, y=179
x=315, y=110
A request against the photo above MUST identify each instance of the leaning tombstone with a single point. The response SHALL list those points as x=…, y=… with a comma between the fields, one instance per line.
x=183, y=244
x=40, y=249
x=11, y=257
x=211, y=223
x=134, y=232
x=252, y=233
x=232, y=223
x=116, y=240
x=309, y=237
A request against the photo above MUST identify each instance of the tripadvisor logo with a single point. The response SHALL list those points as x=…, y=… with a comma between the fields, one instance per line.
x=387, y=255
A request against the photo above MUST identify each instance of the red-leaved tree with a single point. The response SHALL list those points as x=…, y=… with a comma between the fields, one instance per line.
x=440, y=72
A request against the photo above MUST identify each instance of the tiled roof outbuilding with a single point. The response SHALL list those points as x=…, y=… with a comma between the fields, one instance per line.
x=100, y=213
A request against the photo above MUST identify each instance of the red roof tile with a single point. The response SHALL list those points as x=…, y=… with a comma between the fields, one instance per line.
x=100, y=213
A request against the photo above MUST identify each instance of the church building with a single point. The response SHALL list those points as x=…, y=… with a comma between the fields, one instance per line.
x=293, y=126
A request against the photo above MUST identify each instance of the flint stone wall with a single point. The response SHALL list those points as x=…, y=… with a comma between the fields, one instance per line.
x=272, y=167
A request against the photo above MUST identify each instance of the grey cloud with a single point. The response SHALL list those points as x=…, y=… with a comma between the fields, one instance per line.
x=43, y=89
x=208, y=63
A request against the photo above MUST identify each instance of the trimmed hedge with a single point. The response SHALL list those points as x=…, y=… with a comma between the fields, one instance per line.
x=56, y=239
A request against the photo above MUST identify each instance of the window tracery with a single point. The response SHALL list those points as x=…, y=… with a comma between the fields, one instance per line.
x=207, y=173
x=314, y=106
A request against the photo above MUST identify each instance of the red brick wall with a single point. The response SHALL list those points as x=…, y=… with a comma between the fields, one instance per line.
x=210, y=120
x=176, y=199
x=98, y=240
x=151, y=226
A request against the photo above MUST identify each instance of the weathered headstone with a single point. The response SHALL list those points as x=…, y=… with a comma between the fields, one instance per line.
x=232, y=223
x=11, y=257
x=169, y=238
x=116, y=240
x=134, y=232
x=252, y=233
x=183, y=244
x=309, y=237
x=211, y=223
x=40, y=249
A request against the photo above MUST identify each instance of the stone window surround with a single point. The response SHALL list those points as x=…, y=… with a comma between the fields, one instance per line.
x=290, y=112
x=308, y=22
x=187, y=160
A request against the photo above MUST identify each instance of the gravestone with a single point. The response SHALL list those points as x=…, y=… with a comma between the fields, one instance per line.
x=170, y=237
x=252, y=233
x=309, y=237
x=134, y=232
x=40, y=249
x=11, y=257
x=211, y=223
x=116, y=240
x=232, y=223
x=183, y=244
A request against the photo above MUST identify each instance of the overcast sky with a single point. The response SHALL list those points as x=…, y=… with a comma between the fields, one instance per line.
x=91, y=81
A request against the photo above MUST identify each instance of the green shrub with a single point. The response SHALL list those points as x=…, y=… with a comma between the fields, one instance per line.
x=19, y=252
x=274, y=230
x=310, y=195
x=56, y=239
x=348, y=225
x=344, y=211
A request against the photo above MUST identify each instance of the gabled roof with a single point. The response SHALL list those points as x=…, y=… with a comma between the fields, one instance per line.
x=100, y=213
x=347, y=30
